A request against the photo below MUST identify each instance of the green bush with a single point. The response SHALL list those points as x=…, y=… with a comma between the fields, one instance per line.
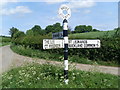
x=30, y=41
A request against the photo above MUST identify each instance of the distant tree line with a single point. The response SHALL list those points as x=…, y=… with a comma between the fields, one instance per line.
x=37, y=30
x=83, y=29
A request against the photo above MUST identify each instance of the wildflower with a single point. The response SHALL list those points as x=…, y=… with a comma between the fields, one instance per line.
x=34, y=73
x=73, y=78
x=61, y=77
x=10, y=77
x=38, y=78
x=73, y=73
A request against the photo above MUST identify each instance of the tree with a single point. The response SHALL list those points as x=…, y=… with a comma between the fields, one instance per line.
x=36, y=30
x=56, y=25
x=83, y=28
x=29, y=32
x=49, y=29
x=95, y=30
x=89, y=28
x=13, y=31
x=42, y=32
x=80, y=29
x=117, y=33
x=18, y=34
x=53, y=28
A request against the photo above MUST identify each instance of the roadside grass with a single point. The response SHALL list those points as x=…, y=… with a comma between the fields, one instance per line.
x=92, y=35
x=57, y=57
x=50, y=76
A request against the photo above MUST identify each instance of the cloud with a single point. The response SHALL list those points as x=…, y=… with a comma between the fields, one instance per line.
x=74, y=3
x=18, y=9
x=4, y=2
x=104, y=26
x=54, y=1
x=87, y=11
x=81, y=3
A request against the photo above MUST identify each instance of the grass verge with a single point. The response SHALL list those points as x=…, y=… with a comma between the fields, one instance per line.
x=49, y=76
x=57, y=57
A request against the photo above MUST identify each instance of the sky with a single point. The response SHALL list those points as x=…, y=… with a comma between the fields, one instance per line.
x=24, y=15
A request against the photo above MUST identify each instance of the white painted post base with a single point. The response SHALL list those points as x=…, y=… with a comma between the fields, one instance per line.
x=66, y=81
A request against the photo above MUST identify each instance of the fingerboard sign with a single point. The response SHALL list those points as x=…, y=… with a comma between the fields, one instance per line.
x=58, y=42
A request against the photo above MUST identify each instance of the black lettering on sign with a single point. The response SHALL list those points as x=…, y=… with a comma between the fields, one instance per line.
x=46, y=41
x=64, y=8
x=90, y=45
x=79, y=41
x=80, y=45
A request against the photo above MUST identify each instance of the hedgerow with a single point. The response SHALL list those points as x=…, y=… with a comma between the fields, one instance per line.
x=109, y=51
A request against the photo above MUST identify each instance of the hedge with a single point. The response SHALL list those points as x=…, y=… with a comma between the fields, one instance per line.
x=109, y=51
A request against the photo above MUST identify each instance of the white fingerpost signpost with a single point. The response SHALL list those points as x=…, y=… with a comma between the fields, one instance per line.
x=58, y=42
x=66, y=16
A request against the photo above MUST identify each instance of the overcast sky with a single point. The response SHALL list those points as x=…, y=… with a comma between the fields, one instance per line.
x=24, y=15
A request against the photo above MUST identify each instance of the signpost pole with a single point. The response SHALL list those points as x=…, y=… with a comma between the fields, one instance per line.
x=73, y=44
x=65, y=35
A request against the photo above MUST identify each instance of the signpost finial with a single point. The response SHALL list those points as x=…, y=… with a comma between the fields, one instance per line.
x=63, y=8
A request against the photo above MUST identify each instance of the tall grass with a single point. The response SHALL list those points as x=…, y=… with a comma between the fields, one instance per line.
x=48, y=76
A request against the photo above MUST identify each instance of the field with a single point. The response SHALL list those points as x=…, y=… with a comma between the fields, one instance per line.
x=48, y=76
x=4, y=41
x=93, y=35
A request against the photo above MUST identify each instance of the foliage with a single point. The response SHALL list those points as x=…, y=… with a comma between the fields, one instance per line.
x=82, y=29
x=117, y=33
x=13, y=31
x=18, y=34
x=49, y=76
x=95, y=30
x=29, y=32
x=31, y=41
x=53, y=28
x=36, y=30
x=49, y=29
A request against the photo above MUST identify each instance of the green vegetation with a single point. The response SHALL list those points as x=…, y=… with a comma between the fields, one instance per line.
x=4, y=44
x=93, y=35
x=49, y=76
x=13, y=31
x=83, y=28
x=4, y=40
x=26, y=51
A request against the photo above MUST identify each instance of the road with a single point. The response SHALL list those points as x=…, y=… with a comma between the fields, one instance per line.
x=9, y=59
